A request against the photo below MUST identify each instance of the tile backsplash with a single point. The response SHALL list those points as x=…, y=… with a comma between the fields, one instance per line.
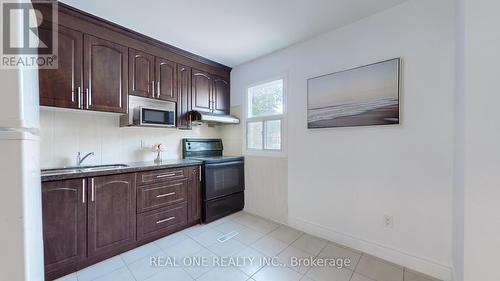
x=65, y=132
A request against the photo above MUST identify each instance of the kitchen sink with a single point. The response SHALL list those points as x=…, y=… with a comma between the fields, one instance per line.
x=82, y=169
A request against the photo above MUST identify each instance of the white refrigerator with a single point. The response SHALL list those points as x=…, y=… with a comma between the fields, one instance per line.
x=21, y=241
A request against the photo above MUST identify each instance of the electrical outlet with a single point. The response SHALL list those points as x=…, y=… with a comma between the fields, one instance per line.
x=144, y=144
x=388, y=221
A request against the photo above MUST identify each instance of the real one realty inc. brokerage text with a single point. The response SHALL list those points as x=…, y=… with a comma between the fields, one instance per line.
x=240, y=261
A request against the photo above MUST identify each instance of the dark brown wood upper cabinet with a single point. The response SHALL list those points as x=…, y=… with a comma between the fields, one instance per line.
x=141, y=74
x=210, y=93
x=220, y=96
x=152, y=77
x=201, y=95
x=111, y=213
x=64, y=211
x=166, y=76
x=184, y=96
x=62, y=87
x=105, y=75
x=102, y=63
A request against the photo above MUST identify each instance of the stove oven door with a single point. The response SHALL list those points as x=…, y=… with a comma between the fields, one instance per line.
x=222, y=179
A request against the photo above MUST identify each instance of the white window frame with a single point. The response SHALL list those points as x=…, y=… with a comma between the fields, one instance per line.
x=283, y=117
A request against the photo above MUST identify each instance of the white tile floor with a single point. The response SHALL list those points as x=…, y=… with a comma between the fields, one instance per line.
x=258, y=238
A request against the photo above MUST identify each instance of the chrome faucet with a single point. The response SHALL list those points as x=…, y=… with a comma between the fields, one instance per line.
x=79, y=159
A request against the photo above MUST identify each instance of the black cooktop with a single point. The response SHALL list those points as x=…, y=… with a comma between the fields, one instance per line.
x=206, y=150
x=217, y=159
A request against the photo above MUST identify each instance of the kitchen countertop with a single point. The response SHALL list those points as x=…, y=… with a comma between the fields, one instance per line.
x=131, y=168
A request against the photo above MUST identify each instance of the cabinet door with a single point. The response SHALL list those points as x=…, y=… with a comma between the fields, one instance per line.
x=105, y=75
x=220, y=96
x=141, y=74
x=111, y=213
x=64, y=212
x=60, y=87
x=166, y=88
x=184, y=96
x=194, y=194
x=202, y=91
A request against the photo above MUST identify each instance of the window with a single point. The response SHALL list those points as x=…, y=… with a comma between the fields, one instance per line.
x=265, y=117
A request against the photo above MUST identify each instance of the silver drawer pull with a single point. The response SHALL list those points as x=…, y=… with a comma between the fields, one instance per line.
x=83, y=191
x=79, y=97
x=164, y=176
x=93, y=190
x=165, y=195
x=165, y=220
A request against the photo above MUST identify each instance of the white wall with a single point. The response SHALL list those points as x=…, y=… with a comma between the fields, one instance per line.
x=264, y=177
x=266, y=190
x=341, y=182
x=64, y=133
x=231, y=134
x=458, y=183
x=479, y=90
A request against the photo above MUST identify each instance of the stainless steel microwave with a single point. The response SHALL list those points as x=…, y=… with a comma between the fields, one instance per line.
x=153, y=117
x=149, y=113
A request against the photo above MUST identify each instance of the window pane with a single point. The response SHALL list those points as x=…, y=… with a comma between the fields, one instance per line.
x=273, y=135
x=266, y=99
x=254, y=135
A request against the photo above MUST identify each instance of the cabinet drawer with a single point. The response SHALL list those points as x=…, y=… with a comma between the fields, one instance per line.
x=159, y=195
x=162, y=221
x=161, y=176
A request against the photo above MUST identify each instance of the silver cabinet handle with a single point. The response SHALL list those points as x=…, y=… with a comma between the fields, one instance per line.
x=153, y=87
x=89, y=101
x=165, y=195
x=165, y=220
x=79, y=97
x=92, y=190
x=199, y=168
x=164, y=176
x=83, y=191
x=158, y=89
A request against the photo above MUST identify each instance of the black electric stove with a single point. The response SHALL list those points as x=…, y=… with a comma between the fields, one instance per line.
x=223, y=177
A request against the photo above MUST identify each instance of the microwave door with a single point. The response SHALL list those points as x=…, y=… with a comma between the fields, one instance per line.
x=155, y=117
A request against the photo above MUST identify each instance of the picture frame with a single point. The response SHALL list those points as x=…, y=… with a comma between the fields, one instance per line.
x=368, y=95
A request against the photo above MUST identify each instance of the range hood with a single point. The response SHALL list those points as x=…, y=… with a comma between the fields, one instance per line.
x=212, y=119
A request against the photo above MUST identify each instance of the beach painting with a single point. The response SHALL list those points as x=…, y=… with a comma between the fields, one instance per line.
x=363, y=96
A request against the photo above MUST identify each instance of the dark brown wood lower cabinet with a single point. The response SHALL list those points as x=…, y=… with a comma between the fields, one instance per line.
x=161, y=222
x=88, y=220
x=159, y=195
x=111, y=213
x=64, y=225
x=194, y=194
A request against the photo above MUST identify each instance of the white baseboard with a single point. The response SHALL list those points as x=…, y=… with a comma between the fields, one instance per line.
x=266, y=216
x=422, y=265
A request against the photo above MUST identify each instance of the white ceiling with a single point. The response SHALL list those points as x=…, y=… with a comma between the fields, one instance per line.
x=232, y=32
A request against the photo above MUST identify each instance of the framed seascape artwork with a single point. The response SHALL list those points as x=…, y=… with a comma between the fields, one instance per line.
x=363, y=96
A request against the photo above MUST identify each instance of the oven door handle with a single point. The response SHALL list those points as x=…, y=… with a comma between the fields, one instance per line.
x=224, y=164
